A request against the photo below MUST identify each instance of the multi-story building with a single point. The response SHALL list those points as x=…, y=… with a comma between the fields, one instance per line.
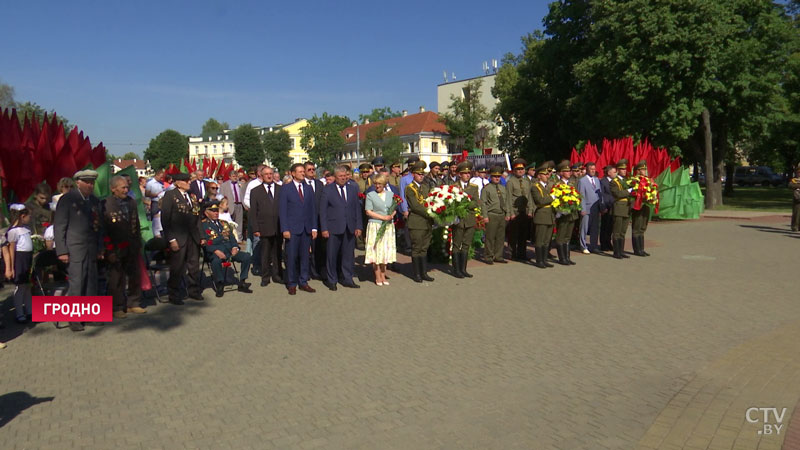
x=143, y=168
x=221, y=146
x=459, y=89
x=422, y=134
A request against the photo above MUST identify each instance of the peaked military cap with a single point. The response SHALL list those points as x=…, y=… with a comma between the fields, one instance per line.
x=543, y=169
x=496, y=171
x=562, y=166
x=419, y=167
x=412, y=159
x=641, y=165
x=518, y=163
x=465, y=167
x=378, y=161
x=622, y=164
x=364, y=166
x=483, y=169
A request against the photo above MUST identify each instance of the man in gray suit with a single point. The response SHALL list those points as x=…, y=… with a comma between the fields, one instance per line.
x=77, y=237
x=232, y=190
x=589, y=188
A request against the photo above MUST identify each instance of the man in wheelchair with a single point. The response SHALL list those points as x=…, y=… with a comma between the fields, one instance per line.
x=221, y=248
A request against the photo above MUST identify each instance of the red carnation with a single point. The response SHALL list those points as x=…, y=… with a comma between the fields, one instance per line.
x=208, y=232
x=109, y=247
x=45, y=224
x=123, y=245
x=226, y=264
x=106, y=239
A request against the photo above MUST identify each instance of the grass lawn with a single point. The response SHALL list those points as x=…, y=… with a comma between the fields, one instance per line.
x=777, y=199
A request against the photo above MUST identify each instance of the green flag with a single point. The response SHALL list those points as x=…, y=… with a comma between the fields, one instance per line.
x=183, y=167
x=101, y=187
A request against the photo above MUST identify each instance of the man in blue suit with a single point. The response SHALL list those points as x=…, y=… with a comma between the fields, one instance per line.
x=589, y=188
x=298, y=219
x=340, y=223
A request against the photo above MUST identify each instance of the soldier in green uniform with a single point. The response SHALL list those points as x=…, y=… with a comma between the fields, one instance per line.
x=794, y=185
x=364, y=181
x=419, y=223
x=543, y=217
x=433, y=179
x=464, y=230
x=565, y=223
x=577, y=169
x=520, y=209
x=221, y=246
x=395, y=174
x=495, y=214
x=640, y=218
x=622, y=208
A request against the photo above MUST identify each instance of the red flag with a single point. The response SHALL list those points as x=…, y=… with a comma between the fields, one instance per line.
x=574, y=157
x=98, y=155
x=43, y=162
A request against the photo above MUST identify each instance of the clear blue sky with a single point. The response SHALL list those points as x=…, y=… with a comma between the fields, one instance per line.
x=123, y=71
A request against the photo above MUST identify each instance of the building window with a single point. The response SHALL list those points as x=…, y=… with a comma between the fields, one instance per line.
x=214, y=148
x=411, y=147
x=292, y=141
x=196, y=148
x=435, y=147
x=205, y=148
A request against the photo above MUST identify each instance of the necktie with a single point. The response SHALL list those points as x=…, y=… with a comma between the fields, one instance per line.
x=311, y=183
x=300, y=191
x=593, y=185
x=235, y=192
x=341, y=192
x=269, y=190
x=201, y=188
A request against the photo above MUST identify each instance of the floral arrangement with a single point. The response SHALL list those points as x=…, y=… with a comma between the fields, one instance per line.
x=448, y=204
x=566, y=199
x=396, y=200
x=480, y=225
x=645, y=191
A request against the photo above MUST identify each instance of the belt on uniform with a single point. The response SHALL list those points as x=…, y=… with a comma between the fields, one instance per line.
x=623, y=200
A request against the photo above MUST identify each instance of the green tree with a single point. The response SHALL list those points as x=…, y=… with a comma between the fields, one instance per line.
x=130, y=155
x=7, y=96
x=466, y=114
x=169, y=147
x=277, y=145
x=379, y=114
x=382, y=140
x=322, y=137
x=31, y=110
x=213, y=127
x=249, y=151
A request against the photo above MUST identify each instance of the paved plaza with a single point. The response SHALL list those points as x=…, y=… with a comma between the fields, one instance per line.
x=663, y=352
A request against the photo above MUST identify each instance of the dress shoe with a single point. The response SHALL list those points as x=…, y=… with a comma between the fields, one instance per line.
x=120, y=315
x=277, y=279
x=490, y=261
x=331, y=286
x=501, y=261
x=137, y=310
x=292, y=290
x=245, y=287
x=220, y=291
x=351, y=285
x=76, y=326
x=176, y=301
x=264, y=282
x=198, y=297
x=307, y=288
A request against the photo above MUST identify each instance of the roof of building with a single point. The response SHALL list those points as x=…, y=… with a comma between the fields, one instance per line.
x=427, y=121
x=123, y=163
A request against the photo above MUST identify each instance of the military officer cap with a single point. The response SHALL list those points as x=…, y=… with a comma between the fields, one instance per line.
x=412, y=159
x=85, y=175
x=180, y=176
x=518, y=163
x=211, y=205
x=641, y=165
x=364, y=167
x=465, y=167
x=496, y=171
x=550, y=165
x=395, y=164
x=434, y=164
x=483, y=169
x=378, y=161
x=543, y=169
x=577, y=166
x=531, y=166
x=563, y=166
x=419, y=167
x=622, y=164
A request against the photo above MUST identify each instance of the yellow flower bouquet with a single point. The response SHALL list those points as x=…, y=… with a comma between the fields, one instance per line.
x=566, y=199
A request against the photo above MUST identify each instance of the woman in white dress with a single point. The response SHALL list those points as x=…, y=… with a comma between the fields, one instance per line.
x=383, y=251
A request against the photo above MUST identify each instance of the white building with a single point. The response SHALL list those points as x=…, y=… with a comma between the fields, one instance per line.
x=459, y=89
x=143, y=168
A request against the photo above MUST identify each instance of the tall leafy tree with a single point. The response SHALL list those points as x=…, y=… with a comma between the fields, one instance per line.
x=322, y=137
x=7, y=96
x=466, y=114
x=379, y=114
x=382, y=140
x=277, y=145
x=249, y=150
x=213, y=127
x=169, y=147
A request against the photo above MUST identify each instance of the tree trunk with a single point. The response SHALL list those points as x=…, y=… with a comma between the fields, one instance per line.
x=713, y=186
x=729, y=179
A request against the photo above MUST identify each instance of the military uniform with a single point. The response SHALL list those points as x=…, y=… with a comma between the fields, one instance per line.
x=419, y=224
x=621, y=211
x=543, y=218
x=180, y=217
x=394, y=179
x=218, y=235
x=494, y=207
x=431, y=180
x=520, y=208
x=123, y=250
x=639, y=220
x=565, y=223
x=464, y=230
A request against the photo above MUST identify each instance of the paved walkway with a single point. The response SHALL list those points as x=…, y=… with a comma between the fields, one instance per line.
x=658, y=352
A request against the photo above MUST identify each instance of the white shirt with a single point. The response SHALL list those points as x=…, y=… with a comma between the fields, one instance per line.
x=153, y=187
x=250, y=185
x=22, y=237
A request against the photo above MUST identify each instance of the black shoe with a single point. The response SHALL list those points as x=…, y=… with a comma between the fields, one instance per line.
x=489, y=261
x=176, y=301
x=457, y=265
x=501, y=261
x=464, y=260
x=561, y=258
x=331, y=286
x=540, y=260
x=264, y=281
x=417, y=267
x=277, y=279
x=424, y=272
x=256, y=271
x=220, y=290
x=567, y=255
x=641, y=246
x=351, y=285
x=244, y=287
x=617, y=249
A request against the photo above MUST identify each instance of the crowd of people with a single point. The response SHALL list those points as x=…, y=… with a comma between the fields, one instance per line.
x=295, y=228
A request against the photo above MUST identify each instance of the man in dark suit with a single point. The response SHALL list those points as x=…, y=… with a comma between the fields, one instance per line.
x=121, y=224
x=341, y=224
x=78, y=236
x=319, y=244
x=198, y=186
x=606, y=206
x=298, y=223
x=180, y=217
x=264, y=214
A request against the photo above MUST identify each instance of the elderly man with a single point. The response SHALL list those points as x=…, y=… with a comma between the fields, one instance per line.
x=221, y=247
x=341, y=223
x=263, y=220
x=198, y=186
x=589, y=188
x=232, y=190
x=180, y=218
x=78, y=235
x=123, y=248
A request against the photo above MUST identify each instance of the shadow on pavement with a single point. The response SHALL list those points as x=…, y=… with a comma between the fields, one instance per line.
x=13, y=403
x=766, y=229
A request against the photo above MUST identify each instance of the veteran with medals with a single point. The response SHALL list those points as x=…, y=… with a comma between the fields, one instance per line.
x=180, y=217
x=221, y=247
